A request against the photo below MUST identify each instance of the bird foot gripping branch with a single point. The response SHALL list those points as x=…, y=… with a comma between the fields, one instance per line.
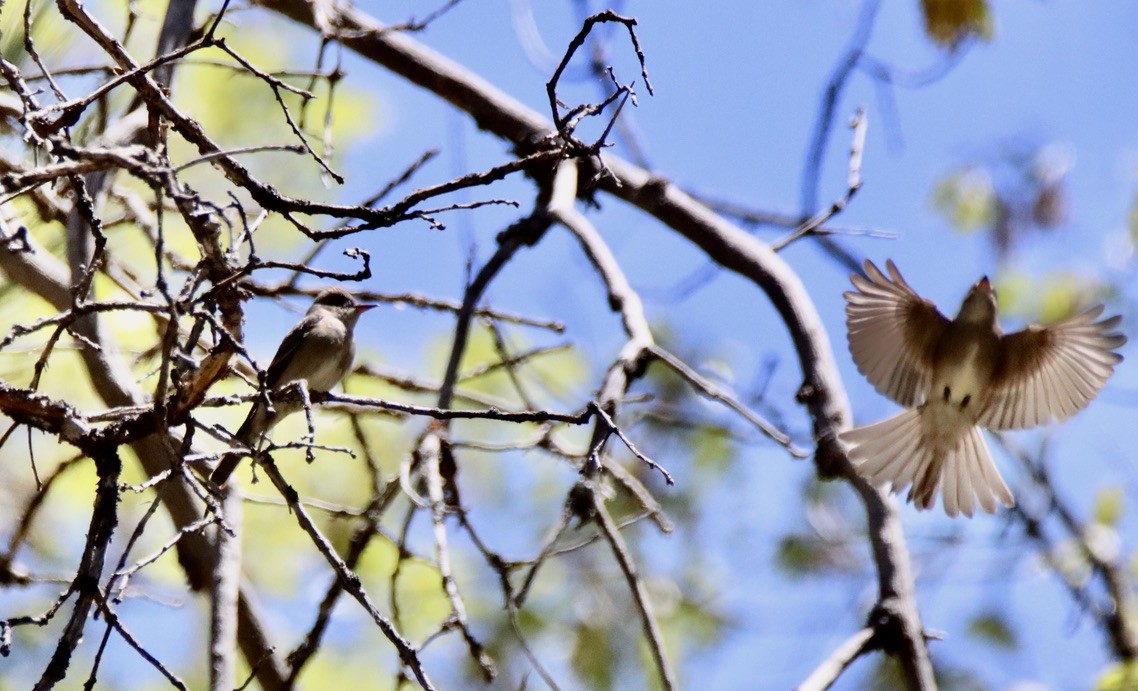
x=957, y=375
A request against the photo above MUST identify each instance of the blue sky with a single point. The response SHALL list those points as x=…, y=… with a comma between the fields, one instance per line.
x=737, y=91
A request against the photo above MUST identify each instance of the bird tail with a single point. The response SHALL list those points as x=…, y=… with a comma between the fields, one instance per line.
x=901, y=451
x=255, y=421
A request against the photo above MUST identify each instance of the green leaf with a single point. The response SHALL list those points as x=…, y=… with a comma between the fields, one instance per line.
x=1109, y=508
x=797, y=555
x=1015, y=292
x=803, y=554
x=1119, y=677
x=994, y=628
x=594, y=655
x=1061, y=297
x=887, y=675
x=700, y=626
x=966, y=199
x=1047, y=299
x=818, y=491
x=949, y=22
x=712, y=450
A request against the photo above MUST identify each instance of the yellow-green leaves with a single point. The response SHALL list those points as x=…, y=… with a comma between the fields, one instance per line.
x=1109, y=507
x=48, y=36
x=994, y=628
x=1119, y=677
x=966, y=198
x=1045, y=299
x=949, y=22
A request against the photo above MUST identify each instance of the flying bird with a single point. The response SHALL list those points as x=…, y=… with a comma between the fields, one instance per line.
x=318, y=350
x=957, y=375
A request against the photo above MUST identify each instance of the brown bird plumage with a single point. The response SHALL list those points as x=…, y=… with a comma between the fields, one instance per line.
x=958, y=375
x=318, y=350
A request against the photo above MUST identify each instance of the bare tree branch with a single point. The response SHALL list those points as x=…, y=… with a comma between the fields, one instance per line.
x=408, y=655
x=825, y=674
x=822, y=391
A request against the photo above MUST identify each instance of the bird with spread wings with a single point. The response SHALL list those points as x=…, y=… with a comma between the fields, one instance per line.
x=957, y=375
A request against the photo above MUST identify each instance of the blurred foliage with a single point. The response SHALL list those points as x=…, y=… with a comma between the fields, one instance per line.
x=802, y=555
x=278, y=557
x=342, y=667
x=594, y=654
x=1109, y=506
x=697, y=623
x=714, y=450
x=887, y=675
x=995, y=628
x=1070, y=560
x=1122, y=676
x=1015, y=193
x=48, y=36
x=207, y=91
x=423, y=604
x=950, y=22
x=966, y=199
x=828, y=550
x=548, y=377
x=1049, y=298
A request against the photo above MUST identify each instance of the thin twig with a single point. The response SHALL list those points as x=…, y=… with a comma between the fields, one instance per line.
x=826, y=673
x=639, y=593
x=859, y=125
x=408, y=655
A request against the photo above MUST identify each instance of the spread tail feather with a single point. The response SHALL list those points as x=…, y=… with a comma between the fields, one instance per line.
x=898, y=452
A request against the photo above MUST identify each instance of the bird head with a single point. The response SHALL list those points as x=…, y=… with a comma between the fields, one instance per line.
x=341, y=304
x=979, y=304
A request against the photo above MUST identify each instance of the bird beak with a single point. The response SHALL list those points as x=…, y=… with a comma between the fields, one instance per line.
x=984, y=284
x=360, y=309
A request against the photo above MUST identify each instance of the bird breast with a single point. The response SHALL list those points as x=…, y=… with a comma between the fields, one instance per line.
x=961, y=376
x=328, y=373
x=323, y=357
x=335, y=354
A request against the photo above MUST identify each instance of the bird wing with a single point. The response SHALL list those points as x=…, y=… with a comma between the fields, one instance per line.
x=286, y=353
x=1051, y=373
x=892, y=333
x=259, y=420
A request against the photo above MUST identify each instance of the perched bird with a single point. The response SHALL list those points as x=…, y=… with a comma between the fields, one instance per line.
x=956, y=376
x=318, y=350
